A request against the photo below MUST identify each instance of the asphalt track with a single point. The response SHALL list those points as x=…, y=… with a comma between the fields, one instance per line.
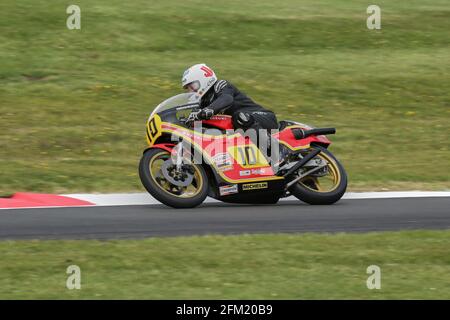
x=140, y=221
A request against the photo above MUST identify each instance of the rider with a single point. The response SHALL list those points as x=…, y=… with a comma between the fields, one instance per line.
x=221, y=97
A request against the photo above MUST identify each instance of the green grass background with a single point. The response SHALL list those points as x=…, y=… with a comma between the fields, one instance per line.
x=414, y=265
x=73, y=106
x=73, y=103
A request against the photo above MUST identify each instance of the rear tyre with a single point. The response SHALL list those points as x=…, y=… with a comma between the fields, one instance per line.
x=166, y=192
x=309, y=189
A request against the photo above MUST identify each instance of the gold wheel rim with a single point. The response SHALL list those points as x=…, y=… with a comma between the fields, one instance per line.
x=319, y=184
x=181, y=192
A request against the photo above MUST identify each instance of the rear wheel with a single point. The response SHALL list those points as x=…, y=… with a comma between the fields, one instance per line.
x=184, y=188
x=325, y=186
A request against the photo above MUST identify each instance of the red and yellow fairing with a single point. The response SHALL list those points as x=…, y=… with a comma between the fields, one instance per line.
x=235, y=158
x=286, y=138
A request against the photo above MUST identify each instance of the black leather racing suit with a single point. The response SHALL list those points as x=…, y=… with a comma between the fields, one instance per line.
x=225, y=98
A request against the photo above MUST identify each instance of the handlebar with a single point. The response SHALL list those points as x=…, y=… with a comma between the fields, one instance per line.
x=301, y=134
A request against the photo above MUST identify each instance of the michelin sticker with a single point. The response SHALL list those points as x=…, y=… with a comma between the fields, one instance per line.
x=254, y=186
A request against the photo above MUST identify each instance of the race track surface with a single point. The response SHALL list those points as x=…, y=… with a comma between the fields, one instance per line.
x=217, y=218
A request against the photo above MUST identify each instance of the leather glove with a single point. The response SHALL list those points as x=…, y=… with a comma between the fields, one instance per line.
x=202, y=114
x=193, y=116
x=205, y=113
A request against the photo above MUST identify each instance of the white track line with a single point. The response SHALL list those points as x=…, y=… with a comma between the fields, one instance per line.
x=127, y=199
x=121, y=199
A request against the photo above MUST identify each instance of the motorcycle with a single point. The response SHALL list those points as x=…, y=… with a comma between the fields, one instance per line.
x=183, y=165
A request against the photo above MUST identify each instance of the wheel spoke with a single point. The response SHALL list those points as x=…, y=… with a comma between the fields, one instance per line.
x=322, y=183
x=156, y=168
x=317, y=183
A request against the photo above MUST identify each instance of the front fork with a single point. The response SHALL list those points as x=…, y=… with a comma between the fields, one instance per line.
x=177, y=156
x=181, y=157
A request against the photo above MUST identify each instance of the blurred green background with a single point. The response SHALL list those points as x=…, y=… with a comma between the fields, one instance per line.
x=73, y=103
x=73, y=107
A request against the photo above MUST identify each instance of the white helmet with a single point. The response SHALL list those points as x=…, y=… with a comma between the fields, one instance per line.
x=198, y=78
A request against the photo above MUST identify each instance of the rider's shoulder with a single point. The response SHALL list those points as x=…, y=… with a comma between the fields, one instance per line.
x=221, y=84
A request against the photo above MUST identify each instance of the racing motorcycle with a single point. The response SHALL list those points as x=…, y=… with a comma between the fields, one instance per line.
x=183, y=165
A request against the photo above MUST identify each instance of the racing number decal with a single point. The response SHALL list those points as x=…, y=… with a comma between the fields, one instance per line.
x=248, y=156
x=153, y=129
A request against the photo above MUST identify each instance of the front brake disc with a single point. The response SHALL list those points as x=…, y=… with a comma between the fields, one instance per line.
x=182, y=178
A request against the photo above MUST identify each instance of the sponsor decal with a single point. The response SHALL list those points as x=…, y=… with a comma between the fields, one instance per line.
x=216, y=117
x=259, y=171
x=225, y=168
x=230, y=189
x=222, y=160
x=254, y=186
x=244, y=173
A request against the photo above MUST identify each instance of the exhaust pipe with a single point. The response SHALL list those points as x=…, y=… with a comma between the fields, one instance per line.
x=302, y=162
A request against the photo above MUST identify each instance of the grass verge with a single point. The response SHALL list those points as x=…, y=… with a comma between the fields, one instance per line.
x=414, y=265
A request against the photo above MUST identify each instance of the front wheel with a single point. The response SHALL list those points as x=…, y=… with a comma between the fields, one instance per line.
x=325, y=186
x=185, y=187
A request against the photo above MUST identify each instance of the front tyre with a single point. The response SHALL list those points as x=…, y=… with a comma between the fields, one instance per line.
x=324, y=187
x=167, y=185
